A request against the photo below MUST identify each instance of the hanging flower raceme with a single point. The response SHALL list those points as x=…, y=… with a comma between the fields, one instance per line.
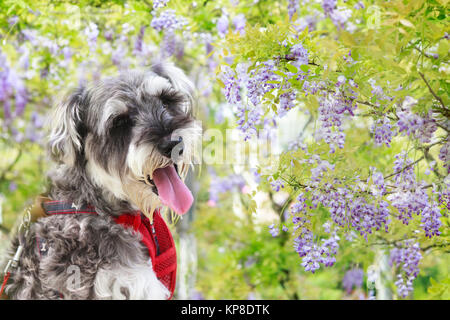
x=406, y=259
x=353, y=278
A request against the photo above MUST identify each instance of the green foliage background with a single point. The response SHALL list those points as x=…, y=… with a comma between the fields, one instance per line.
x=237, y=257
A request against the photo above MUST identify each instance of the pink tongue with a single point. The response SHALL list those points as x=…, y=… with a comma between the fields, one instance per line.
x=172, y=191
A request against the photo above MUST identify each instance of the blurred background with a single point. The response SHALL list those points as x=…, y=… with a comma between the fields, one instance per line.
x=228, y=245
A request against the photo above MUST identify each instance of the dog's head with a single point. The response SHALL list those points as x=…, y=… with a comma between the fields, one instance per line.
x=132, y=135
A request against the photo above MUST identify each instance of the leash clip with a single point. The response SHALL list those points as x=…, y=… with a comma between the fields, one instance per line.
x=24, y=226
x=26, y=221
x=14, y=262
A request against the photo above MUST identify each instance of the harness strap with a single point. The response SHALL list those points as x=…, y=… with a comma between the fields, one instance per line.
x=155, y=235
x=62, y=207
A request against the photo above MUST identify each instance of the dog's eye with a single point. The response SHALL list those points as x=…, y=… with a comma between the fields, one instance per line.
x=122, y=121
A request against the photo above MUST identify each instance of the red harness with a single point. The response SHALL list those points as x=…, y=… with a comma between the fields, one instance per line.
x=155, y=236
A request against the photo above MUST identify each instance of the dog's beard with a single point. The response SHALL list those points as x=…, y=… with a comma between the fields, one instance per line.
x=154, y=180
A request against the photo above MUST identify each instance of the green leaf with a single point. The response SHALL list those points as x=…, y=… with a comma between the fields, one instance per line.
x=291, y=68
x=304, y=67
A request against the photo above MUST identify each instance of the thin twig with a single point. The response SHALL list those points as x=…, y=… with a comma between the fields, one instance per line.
x=424, y=53
x=12, y=164
x=436, y=245
x=404, y=168
x=148, y=4
x=432, y=92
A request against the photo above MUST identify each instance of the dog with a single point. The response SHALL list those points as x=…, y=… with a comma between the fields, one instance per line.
x=120, y=145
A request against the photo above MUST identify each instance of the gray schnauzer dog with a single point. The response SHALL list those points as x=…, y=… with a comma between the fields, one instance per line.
x=120, y=145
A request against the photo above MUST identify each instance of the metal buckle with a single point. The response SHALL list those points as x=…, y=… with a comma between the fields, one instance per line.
x=14, y=262
x=24, y=226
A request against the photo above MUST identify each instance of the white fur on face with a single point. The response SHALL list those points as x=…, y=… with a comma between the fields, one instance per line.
x=154, y=85
x=180, y=82
x=142, y=160
x=113, y=107
x=63, y=136
x=192, y=139
x=105, y=180
x=139, y=282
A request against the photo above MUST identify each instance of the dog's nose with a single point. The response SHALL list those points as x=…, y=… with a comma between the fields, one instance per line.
x=167, y=145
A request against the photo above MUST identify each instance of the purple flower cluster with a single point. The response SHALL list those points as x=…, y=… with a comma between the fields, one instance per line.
x=339, y=16
x=159, y=3
x=12, y=89
x=444, y=196
x=410, y=198
x=168, y=21
x=231, y=86
x=308, y=21
x=249, y=112
x=353, y=278
x=378, y=91
x=171, y=45
x=317, y=172
x=239, y=22
x=277, y=185
x=348, y=208
x=359, y=5
x=313, y=254
x=404, y=172
x=248, y=118
x=378, y=187
x=415, y=125
x=407, y=258
x=222, y=25
x=138, y=45
x=444, y=155
x=409, y=203
x=330, y=119
x=431, y=220
x=293, y=7
x=40, y=41
x=299, y=206
x=274, y=230
x=312, y=87
x=366, y=217
x=336, y=201
x=299, y=53
x=329, y=6
x=91, y=33
x=257, y=80
x=221, y=185
x=332, y=109
x=382, y=132
x=287, y=102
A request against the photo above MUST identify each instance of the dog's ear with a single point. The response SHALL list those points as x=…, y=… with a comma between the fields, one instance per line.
x=66, y=128
x=177, y=78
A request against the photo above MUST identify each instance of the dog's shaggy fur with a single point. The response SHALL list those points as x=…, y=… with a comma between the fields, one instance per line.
x=107, y=140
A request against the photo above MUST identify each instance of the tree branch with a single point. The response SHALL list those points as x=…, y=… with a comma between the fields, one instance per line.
x=434, y=94
x=404, y=168
x=11, y=165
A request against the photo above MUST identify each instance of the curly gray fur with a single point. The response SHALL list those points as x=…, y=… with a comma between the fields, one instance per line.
x=86, y=241
x=91, y=134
